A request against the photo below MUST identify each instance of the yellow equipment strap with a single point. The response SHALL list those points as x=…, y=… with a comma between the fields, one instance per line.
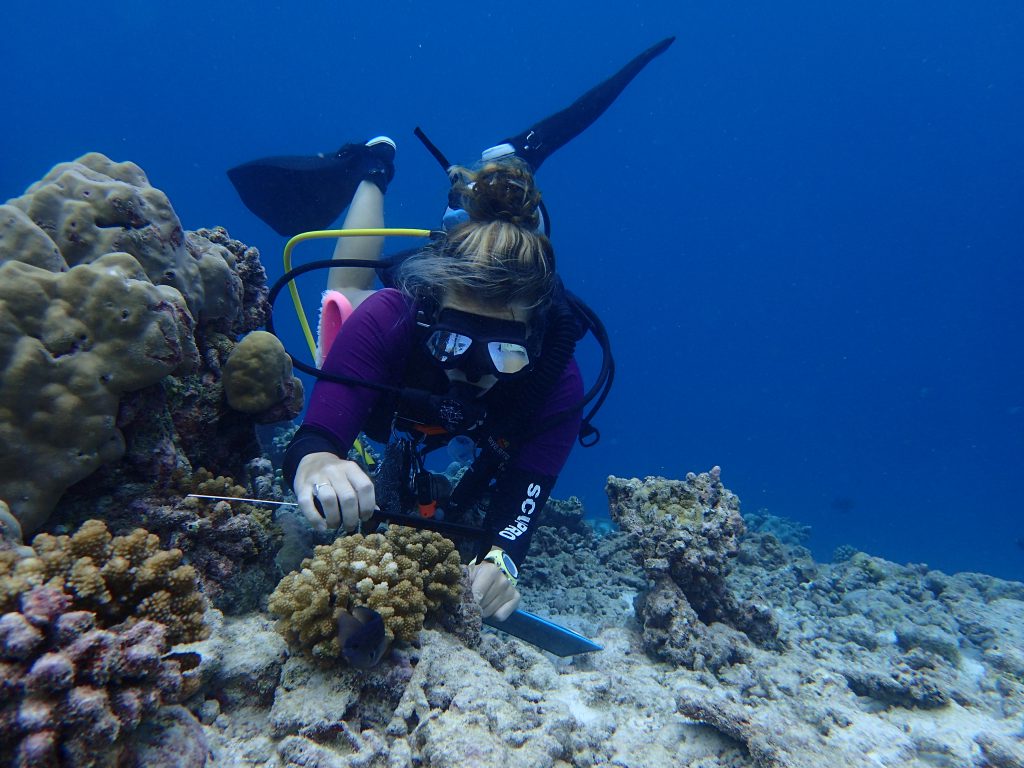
x=321, y=234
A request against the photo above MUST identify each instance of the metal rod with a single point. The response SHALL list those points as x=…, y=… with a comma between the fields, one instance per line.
x=242, y=498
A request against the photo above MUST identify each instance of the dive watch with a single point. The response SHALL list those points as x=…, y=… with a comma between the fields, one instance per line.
x=504, y=563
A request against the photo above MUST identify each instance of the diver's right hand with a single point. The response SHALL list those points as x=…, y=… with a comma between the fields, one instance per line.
x=344, y=490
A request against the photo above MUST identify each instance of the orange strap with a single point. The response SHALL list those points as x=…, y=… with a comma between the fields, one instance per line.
x=427, y=429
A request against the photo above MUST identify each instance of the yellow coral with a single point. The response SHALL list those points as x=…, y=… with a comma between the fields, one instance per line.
x=120, y=578
x=438, y=560
x=207, y=483
x=136, y=546
x=92, y=539
x=86, y=581
x=402, y=575
x=258, y=374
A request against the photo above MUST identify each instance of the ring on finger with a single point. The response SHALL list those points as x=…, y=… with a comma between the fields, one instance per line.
x=317, y=487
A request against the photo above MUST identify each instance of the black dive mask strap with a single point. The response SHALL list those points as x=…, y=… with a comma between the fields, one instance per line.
x=480, y=327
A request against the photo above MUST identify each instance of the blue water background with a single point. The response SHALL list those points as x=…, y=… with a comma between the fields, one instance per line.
x=802, y=225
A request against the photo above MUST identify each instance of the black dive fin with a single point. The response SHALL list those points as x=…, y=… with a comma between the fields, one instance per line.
x=539, y=141
x=544, y=634
x=296, y=194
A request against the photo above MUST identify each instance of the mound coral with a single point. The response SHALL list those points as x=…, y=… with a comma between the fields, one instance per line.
x=258, y=377
x=402, y=575
x=685, y=534
x=115, y=324
x=71, y=343
x=121, y=579
x=94, y=206
x=72, y=692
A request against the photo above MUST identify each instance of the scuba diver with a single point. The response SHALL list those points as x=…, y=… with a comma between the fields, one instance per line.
x=472, y=336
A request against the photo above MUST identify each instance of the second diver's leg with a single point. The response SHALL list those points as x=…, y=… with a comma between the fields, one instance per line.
x=366, y=211
x=539, y=141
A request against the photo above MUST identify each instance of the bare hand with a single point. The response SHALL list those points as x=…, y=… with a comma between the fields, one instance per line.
x=343, y=489
x=494, y=593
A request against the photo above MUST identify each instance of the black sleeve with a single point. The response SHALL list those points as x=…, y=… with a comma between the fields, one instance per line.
x=516, y=502
x=308, y=440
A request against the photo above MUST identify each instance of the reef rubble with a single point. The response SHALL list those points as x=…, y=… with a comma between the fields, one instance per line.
x=874, y=664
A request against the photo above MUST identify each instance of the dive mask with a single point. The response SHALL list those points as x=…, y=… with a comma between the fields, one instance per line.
x=478, y=345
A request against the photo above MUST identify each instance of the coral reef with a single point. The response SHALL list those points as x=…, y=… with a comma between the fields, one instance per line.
x=401, y=575
x=576, y=577
x=121, y=579
x=184, y=421
x=115, y=326
x=869, y=645
x=72, y=693
x=876, y=664
x=232, y=545
x=686, y=534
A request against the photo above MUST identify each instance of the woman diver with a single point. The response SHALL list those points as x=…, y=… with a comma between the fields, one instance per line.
x=476, y=325
x=466, y=321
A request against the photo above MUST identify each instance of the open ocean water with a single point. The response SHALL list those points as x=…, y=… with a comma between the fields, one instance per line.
x=802, y=225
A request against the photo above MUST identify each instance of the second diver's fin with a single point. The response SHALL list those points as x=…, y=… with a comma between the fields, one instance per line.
x=544, y=634
x=294, y=194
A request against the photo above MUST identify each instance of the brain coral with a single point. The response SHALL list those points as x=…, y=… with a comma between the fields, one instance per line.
x=121, y=579
x=386, y=572
x=70, y=692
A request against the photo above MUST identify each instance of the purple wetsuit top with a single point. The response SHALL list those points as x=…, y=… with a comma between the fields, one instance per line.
x=375, y=345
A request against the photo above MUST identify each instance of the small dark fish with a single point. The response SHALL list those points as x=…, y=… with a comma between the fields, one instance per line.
x=363, y=641
x=843, y=505
x=187, y=660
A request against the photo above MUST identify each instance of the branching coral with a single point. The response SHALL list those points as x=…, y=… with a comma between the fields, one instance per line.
x=438, y=562
x=402, y=575
x=121, y=579
x=71, y=691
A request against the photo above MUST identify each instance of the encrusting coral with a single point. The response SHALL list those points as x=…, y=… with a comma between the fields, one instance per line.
x=71, y=692
x=121, y=579
x=686, y=534
x=402, y=575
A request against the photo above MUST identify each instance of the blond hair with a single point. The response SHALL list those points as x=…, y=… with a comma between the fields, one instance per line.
x=497, y=257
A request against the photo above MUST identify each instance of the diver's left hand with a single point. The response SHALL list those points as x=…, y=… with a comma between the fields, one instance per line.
x=494, y=593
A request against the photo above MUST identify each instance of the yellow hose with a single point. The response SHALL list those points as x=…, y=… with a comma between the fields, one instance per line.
x=321, y=234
